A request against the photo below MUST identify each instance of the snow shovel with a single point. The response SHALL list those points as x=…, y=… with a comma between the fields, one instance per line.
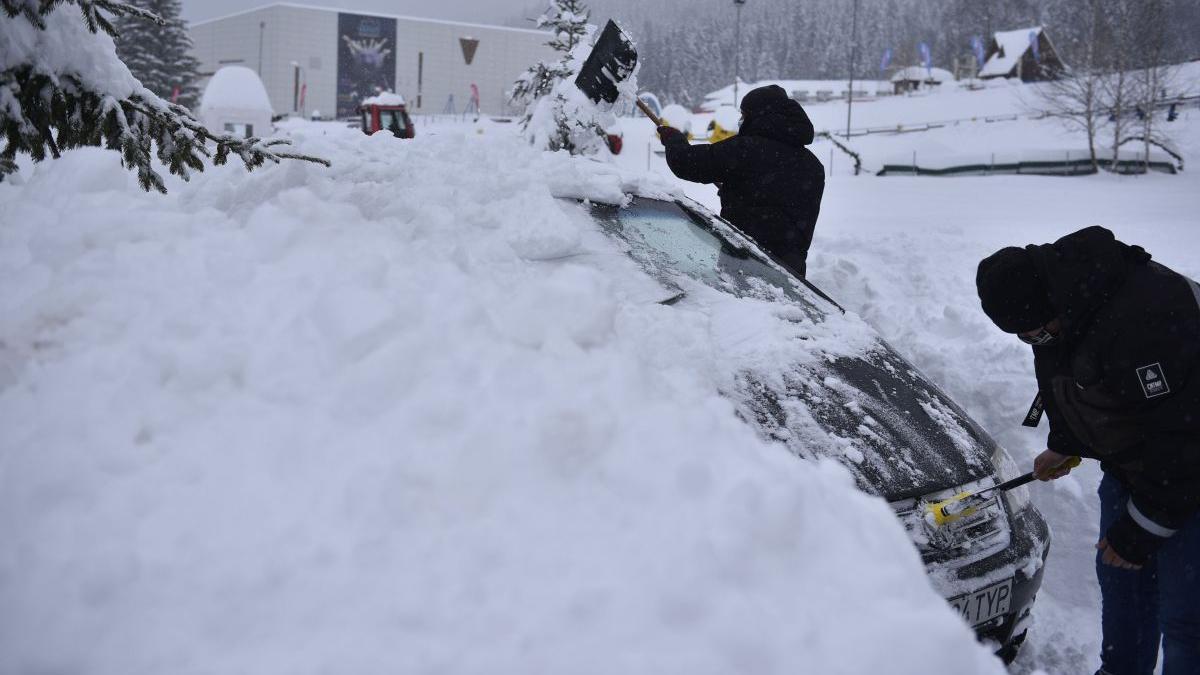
x=965, y=504
x=612, y=61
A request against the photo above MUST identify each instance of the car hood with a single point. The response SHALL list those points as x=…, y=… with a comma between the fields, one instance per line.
x=898, y=434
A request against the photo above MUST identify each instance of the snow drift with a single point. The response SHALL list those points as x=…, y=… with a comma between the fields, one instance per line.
x=403, y=415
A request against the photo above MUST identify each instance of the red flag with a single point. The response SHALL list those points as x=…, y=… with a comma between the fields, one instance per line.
x=175, y=94
x=303, y=88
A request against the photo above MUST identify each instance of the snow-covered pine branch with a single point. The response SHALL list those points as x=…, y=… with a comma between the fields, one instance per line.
x=62, y=86
x=557, y=116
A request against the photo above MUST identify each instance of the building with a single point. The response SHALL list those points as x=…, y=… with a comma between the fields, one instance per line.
x=1025, y=53
x=315, y=60
x=235, y=102
x=913, y=78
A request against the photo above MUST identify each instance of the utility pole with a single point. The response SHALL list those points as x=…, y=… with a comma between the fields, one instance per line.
x=262, y=28
x=737, y=50
x=853, y=58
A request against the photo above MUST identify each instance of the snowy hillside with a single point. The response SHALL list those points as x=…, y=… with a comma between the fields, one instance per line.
x=407, y=414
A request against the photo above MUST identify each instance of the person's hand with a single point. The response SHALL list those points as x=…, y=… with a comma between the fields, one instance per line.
x=1049, y=466
x=1110, y=557
x=669, y=135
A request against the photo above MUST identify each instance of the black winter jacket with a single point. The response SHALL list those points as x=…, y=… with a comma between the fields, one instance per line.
x=770, y=184
x=1123, y=384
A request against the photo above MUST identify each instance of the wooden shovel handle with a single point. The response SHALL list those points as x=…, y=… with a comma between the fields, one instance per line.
x=649, y=113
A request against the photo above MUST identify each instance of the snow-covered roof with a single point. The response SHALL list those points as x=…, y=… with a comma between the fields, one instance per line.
x=1012, y=46
x=923, y=74
x=385, y=98
x=236, y=89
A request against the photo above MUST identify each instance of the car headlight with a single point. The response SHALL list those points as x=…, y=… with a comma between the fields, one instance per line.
x=1017, y=498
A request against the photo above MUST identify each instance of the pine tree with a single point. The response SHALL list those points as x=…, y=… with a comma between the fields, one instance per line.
x=160, y=56
x=551, y=119
x=62, y=86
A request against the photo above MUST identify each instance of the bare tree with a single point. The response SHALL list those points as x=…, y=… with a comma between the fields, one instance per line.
x=1075, y=97
x=1154, y=79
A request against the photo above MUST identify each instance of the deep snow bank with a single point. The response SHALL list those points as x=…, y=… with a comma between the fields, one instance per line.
x=402, y=415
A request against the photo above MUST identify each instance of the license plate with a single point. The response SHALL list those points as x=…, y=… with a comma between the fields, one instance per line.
x=985, y=604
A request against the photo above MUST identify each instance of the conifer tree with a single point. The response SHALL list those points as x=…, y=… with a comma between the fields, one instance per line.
x=160, y=56
x=62, y=86
x=552, y=119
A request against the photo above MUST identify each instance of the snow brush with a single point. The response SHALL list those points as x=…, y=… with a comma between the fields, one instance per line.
x=965, y=504
x=612, y=61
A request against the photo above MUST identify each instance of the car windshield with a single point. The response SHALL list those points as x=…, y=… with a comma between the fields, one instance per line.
x=666, y=237
x=392, y=120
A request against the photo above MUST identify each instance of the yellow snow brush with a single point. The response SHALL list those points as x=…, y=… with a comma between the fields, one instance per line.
x=965, y=504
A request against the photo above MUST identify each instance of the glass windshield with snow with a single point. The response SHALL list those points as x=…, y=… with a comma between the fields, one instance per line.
x=664, y=236
x=820, y=382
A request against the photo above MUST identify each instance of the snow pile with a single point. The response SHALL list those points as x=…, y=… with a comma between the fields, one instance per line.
x=235, y=94
x=923, y=74
x=408, y=414
x=385, y=98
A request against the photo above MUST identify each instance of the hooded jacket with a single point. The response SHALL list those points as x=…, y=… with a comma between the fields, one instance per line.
x=1122, y=384
x=770, y=183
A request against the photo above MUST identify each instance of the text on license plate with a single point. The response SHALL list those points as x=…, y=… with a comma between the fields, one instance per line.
x=984, y=604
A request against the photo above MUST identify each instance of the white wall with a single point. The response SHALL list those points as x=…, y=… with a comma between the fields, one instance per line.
x=309, y=36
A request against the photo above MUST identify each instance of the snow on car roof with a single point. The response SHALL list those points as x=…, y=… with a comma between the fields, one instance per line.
x=1013, y=44
x=412, y=409
x=384, y=98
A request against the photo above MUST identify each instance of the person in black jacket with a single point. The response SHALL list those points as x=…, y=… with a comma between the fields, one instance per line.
x=1116, y=346
x=769, y=182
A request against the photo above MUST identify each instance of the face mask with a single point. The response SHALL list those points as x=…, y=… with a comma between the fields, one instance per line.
x=1042, y=338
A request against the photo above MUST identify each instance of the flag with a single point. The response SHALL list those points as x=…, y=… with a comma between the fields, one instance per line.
x=977, y=47
x=175, y=94
x=886, y=60
x=926, y=57
x=303, y=89
x=1035, y=46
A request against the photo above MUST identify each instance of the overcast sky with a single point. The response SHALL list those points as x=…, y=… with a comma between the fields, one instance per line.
x=478, y=11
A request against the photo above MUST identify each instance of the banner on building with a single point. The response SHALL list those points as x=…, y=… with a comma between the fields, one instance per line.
x=366, y=59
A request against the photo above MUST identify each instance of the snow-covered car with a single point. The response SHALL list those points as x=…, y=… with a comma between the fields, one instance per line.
x=898, y=434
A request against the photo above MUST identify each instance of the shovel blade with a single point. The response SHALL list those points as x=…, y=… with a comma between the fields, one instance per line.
x=612, y=61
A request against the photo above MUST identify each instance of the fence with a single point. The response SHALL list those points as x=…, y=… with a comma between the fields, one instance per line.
x=1072, y=164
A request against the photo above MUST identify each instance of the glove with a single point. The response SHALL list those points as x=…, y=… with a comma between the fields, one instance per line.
x=1131, y=542
x=671, y=135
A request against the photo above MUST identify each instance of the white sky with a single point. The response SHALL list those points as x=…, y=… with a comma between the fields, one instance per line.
x=479, y=11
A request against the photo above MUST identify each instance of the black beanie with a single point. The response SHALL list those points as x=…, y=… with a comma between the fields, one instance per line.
x=1012, y=291
x=763, y=98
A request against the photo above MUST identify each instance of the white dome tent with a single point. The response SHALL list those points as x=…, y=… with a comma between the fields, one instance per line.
x=235, y=102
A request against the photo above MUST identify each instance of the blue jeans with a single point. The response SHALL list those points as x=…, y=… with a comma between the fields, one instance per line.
x=1159, y=601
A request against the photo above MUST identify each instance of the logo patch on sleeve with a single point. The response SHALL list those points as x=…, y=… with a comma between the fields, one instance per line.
x=1153, y=380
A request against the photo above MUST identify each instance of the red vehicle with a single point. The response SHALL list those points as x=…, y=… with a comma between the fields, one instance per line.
x=387, y=112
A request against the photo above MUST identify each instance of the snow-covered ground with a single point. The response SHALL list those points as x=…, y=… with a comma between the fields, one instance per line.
x=406, y=415
x=902, y=251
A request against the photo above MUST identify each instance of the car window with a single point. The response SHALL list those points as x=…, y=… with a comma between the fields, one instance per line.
x=392, y=120
x=666, y=237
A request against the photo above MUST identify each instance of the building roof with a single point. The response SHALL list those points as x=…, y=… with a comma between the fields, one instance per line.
x=1012, y=46
x=296, y=5
x=923, y=74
